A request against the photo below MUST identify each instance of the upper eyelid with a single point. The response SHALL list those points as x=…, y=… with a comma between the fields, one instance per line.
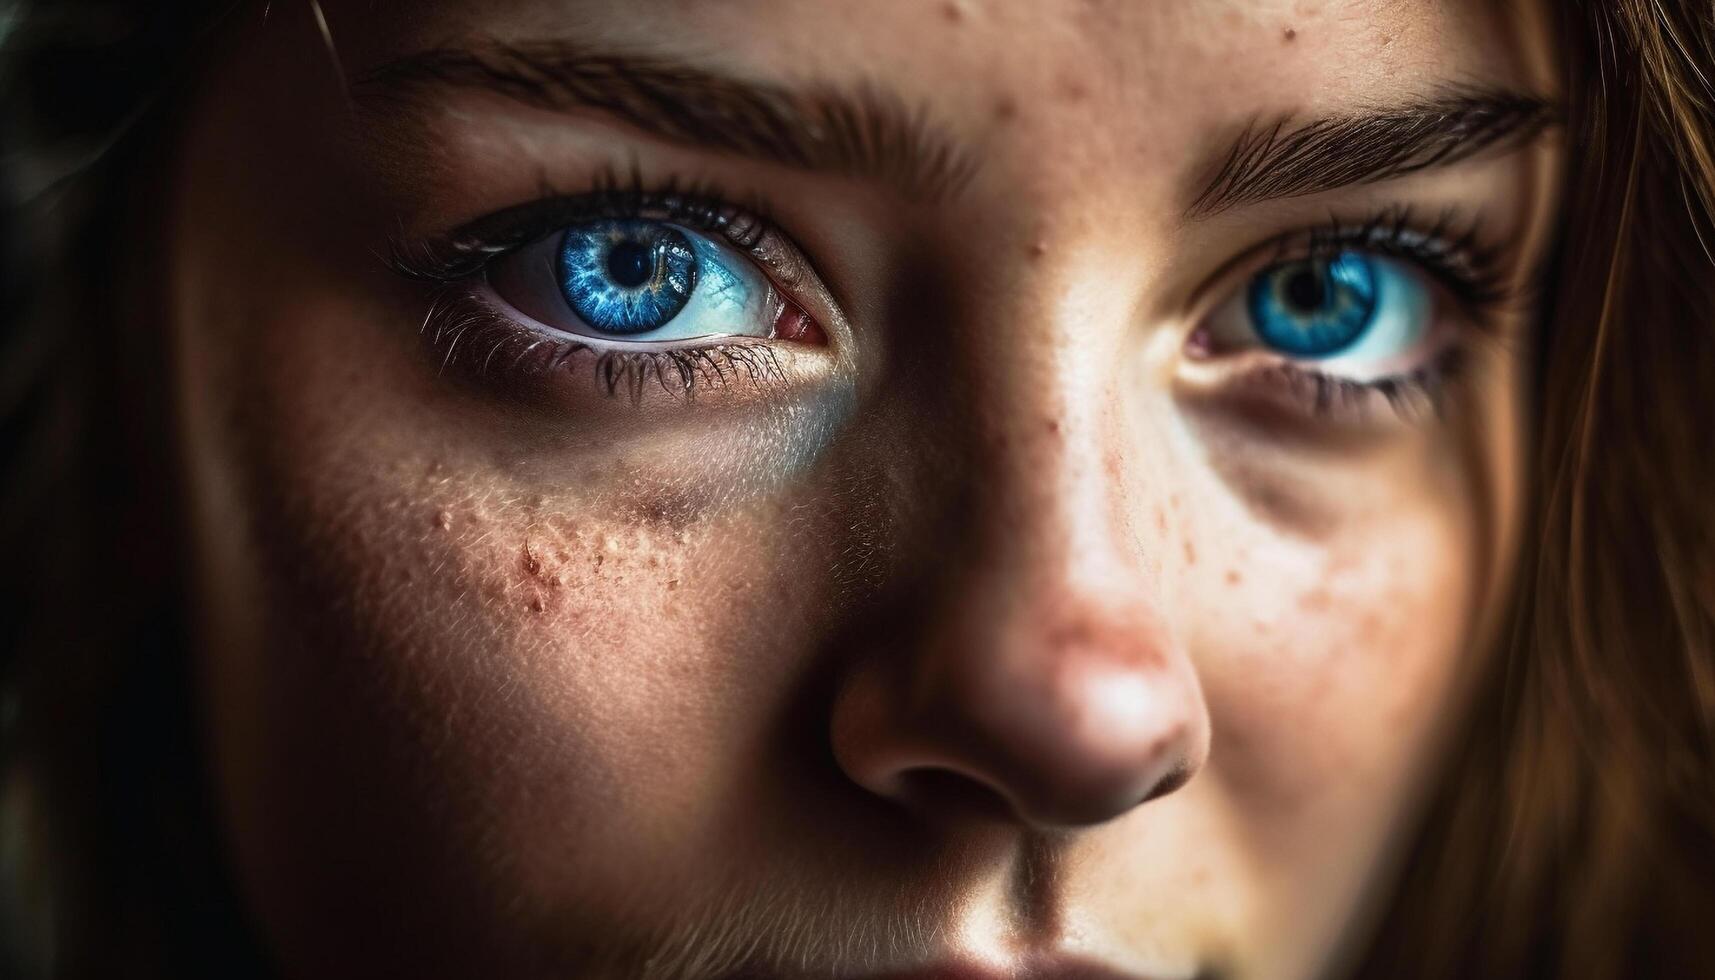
x=1477, y=275
x=466, y=251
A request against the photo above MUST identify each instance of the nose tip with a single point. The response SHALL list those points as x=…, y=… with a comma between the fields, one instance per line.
x=1058, y=731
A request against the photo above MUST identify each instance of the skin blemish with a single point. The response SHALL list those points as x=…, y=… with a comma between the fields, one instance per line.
x=1234, y=577
x=1290, y=34
x=1037, y=250
x=532, y=564
x=952, y=12
x=1005, y=109
x=1190, y=553
x=443, y=520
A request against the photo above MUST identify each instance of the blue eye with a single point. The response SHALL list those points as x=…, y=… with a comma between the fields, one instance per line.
x=626, y=277
x=1352, y=312
x=1314, y=307
x=639, y=280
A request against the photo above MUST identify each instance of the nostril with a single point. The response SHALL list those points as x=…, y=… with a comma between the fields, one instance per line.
x=1172, y=782
x=951, y=795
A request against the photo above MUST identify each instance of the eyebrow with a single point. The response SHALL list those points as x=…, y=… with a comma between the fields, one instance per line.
x=862, y=131
x=1280, y=160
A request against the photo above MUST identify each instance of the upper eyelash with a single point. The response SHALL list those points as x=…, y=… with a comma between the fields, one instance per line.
x=466, y=252
x=1450, y=248
x=452, y=260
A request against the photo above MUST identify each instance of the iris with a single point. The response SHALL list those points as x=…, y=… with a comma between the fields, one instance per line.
x=626, y=276
x=1317, y=307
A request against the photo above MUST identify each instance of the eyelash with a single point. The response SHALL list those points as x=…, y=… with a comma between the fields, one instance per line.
x=455, y=262
x=1451, y=251
x=467, y=253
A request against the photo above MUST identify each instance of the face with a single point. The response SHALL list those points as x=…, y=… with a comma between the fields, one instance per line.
x=995, y=487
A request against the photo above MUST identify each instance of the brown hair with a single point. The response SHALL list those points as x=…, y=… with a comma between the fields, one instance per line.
x=1573, y=833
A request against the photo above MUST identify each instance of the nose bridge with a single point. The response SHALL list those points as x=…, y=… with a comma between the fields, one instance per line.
x=1042, y=668
x=1046, y=459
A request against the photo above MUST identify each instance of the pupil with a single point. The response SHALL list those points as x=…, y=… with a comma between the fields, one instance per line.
x=1305, y=290
x=629, y=264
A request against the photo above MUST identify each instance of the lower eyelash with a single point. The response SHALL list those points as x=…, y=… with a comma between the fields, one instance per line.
x=1422, y=392
x=468, y=334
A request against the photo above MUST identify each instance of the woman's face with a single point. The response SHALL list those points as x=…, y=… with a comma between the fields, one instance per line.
x=975, y=488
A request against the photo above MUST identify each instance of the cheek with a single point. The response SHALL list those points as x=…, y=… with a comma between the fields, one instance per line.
x=1346, y=652
x=443, y=657
x=1329, y=661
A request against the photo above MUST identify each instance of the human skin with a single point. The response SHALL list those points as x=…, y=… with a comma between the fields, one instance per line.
x=1002, y=629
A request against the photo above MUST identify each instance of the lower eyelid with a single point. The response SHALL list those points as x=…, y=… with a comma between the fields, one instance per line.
x=472, y=332
x=1258, y=380
x=500, y=306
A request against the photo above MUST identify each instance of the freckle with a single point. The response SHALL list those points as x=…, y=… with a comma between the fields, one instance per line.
x=1160, y=519
x=654, y=561
x=1190, y=553
x=1316, y=600
x=443, y=521
x=952, y=12
x=536, y=605
x=1291, y=34
x=1006, y=108
x=1233, y=576
x=1053, y=427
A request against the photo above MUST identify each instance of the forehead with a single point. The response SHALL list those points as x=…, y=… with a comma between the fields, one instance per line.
x=1131, y=56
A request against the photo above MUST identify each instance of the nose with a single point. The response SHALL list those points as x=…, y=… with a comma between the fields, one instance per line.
x=1043, y=675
